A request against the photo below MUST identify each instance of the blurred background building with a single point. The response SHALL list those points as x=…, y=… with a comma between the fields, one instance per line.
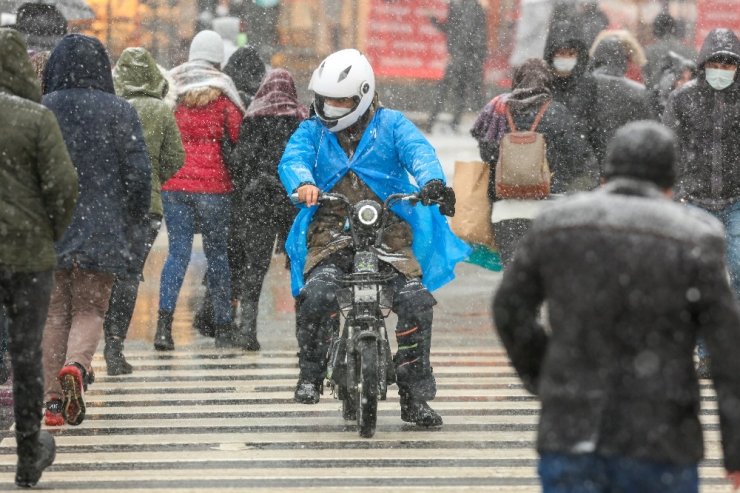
x=408, y=53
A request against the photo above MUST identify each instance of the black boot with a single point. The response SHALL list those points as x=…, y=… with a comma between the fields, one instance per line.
x=227, y=336
x=163, y=338
x=203, y=320
x=34, y=458
x=114, y=359
x=418, y=412
x=307, y=391
x=248, y=326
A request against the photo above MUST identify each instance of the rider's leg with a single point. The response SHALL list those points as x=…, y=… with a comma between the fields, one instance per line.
x=416, y=385
x=317, y=304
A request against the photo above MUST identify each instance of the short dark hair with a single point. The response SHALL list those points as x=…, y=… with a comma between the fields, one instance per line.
x=644, y=150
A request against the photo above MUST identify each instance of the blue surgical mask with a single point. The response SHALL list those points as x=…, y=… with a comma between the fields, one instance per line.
x=334, y=112
x=720, y=78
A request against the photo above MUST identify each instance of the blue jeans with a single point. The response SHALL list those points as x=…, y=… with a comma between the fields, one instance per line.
x=212, y=211
x=594, y=473
x=730, y=218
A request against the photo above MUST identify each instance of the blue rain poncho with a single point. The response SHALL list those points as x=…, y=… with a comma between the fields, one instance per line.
x=391, y=149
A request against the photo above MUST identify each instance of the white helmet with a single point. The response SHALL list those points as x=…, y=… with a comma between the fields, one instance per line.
x=344, y=74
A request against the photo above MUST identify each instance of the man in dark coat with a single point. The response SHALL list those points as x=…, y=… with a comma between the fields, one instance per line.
x=38, y=189
x=466, y=29
x=567, y=54
x=105, y=140
x=705, y=114
x=620, y=100
x=665, y=30
x=631, y=279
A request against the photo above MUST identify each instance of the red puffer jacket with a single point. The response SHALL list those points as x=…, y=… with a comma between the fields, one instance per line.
x=202, y=130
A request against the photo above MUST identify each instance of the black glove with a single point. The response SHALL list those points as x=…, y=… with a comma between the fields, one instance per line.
x=435, y=191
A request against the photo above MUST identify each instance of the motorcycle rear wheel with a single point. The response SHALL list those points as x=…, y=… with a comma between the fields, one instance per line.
x=367, y=397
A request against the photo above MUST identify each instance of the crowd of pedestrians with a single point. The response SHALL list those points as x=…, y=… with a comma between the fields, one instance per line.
x=218, y=144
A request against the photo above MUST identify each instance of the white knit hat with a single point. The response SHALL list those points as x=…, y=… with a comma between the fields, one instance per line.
x=208, y=46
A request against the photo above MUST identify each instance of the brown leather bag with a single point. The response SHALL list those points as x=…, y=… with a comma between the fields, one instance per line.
x=522, y=171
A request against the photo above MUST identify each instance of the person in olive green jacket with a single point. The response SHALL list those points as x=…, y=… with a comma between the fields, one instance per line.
x=138, y=79
x=38, y=192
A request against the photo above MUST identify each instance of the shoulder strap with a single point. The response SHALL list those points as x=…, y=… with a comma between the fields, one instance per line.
x=539, y=116
x=509, y=119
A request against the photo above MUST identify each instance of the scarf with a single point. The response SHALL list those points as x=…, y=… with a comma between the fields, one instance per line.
x=199, y=74
x=490, y=125
x=277, y=96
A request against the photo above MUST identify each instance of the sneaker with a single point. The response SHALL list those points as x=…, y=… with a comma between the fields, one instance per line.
x=307, y=392
x=53, y=413
x=72, y=378
x=419, y=412
x=27, y=474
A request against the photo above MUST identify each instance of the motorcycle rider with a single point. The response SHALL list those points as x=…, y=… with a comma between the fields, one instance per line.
x=355, y=147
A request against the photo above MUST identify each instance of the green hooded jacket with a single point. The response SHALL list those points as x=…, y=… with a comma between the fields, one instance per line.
x=38, y=183
x=138, y=79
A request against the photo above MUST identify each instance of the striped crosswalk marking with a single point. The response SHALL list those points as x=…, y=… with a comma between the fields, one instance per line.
x=201, y=419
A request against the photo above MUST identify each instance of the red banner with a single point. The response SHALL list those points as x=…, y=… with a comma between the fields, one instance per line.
x=711, y=14
x=401, y=40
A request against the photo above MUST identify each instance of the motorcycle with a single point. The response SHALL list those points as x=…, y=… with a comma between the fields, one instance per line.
x=359, y=364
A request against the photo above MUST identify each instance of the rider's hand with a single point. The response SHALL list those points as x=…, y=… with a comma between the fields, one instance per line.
x=734, y=477
x=308, y=194
x=435, y=191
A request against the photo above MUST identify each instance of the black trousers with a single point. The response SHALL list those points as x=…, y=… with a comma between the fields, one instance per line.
x=507, y=234
x=125, y=288
x=255, y=225
x=462, y=84
x=412, y=302
x=25, y=297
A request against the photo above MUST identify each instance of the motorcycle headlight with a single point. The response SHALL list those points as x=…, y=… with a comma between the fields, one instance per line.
x=368, y=214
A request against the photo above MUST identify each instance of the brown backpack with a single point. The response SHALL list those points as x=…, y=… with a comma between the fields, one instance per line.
x=522, y=171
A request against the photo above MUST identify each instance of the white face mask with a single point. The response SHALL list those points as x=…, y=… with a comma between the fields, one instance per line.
x=720, y=78
x=334, y=112
x=564, y=64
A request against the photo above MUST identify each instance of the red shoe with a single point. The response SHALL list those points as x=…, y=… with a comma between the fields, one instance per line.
x=53, y=413
x=72, y=379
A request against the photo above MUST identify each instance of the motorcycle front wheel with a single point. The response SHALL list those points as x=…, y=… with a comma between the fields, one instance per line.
x=367, y=397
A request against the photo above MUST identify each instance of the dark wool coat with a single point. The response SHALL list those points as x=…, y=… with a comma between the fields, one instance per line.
x=578, y=91
x=631, y=279
x=106, y=143
x=707, y=124
x=38, y=184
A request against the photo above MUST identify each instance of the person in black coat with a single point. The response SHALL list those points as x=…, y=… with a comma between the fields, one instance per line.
x=569, y=156
x=705, y=114
x=567, y=54
x=627, y=296
x=466, y=29
x=106, y=143
x=260, y=210
x=620, y=100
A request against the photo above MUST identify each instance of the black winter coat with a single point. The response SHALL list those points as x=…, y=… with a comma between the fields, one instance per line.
x=106, y=143
x=466, y=30
x=620, y=101
x=578, y=92
x=631, y=280
x=707, y=124
x=569, y=156
x=262, y=141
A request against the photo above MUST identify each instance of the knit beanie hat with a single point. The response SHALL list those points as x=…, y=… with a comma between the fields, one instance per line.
x=208, y=46
x=644, y=150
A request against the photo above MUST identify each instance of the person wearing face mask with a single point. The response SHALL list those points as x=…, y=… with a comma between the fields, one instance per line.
x=705, y=114
x=355, y=147
x=572, y=85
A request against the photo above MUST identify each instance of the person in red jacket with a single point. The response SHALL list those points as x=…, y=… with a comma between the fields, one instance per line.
x=208, y=111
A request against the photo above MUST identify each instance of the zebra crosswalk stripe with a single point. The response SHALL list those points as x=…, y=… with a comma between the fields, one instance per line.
x=209, y=420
